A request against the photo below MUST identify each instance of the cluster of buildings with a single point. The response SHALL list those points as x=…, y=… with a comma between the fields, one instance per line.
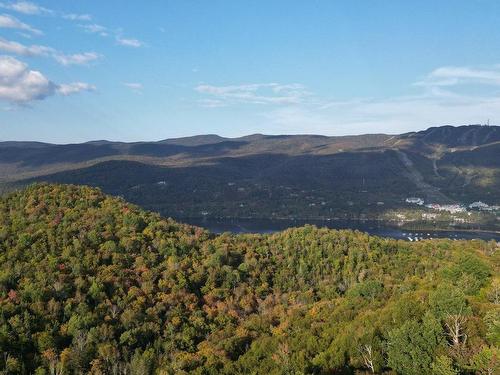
x=415, y=200
x=481, y=206
x=453, y=208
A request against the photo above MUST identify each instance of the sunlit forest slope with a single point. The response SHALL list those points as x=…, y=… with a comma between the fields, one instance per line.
x=92, y=284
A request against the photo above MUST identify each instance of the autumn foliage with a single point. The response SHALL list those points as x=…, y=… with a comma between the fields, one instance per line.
x=92, y=284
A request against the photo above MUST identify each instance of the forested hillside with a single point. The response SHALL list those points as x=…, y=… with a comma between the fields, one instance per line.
x=92, y=284
x=280, y=176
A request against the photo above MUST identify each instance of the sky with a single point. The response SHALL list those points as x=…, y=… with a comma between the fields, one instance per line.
x=81, y=70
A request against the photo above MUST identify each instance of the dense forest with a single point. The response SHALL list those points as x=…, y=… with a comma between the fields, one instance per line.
x=92, y=284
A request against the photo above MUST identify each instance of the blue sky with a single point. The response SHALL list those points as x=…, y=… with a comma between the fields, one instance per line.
x=149, y=70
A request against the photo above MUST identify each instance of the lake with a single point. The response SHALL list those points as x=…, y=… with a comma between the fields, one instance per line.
x=371, y=227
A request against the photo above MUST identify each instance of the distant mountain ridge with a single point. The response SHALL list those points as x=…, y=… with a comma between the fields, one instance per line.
x=280, y=175
x=471, y=135
x=26, y=155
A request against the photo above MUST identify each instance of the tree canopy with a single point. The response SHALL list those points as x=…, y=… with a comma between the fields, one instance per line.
x=92, y=284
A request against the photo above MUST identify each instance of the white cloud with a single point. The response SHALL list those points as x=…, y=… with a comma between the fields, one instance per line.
x=116, y=34
x=450, y=95
x=129, y=42
x=94, y=28
x=30, y=8
x=20, y=49
x=77, y=58
x=26, y=7
x=36, y=50
x=9, y=22
x=21, y=85
x=74, y=88
x=456, y=75
x=257, y=93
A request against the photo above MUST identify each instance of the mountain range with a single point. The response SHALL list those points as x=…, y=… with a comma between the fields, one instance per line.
x=273, y=175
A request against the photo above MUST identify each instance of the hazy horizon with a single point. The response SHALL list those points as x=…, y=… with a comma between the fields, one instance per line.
x=234, y=137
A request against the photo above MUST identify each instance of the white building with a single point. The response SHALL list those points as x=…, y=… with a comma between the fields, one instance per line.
x=479, y=205
x=415, y=200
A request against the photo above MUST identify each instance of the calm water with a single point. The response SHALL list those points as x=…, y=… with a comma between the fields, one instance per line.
x=371, y=227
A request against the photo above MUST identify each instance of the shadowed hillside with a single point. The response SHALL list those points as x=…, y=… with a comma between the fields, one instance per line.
x=306, y=176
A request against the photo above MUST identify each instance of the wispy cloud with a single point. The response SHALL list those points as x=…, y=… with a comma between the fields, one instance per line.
x=9, y=22
x=134, y=86
x=77, y=58
x=20, y=49
x=256, y=93
x=26, y=7
x=74, y=88
x=103, y=31
x=406, y=113
x=456, y=75
x=38, y=50
x=30, y=8
x=129, y=42
x=401, y=114
x=21, y=85
x=444, y=98
x=95, y=29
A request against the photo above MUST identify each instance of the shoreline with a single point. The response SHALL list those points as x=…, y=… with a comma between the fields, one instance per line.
x=388, y=224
